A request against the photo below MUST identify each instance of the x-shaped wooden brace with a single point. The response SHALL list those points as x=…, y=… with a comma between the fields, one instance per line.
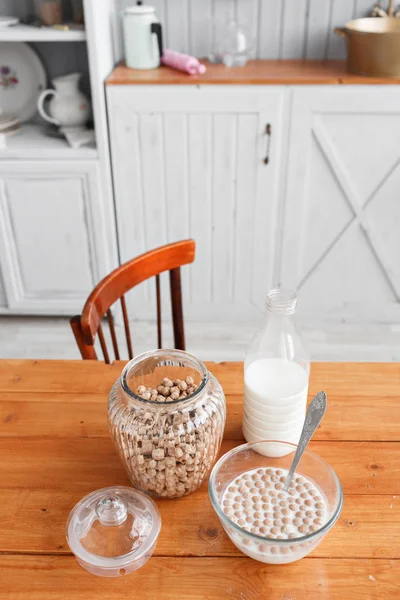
x=352, y=197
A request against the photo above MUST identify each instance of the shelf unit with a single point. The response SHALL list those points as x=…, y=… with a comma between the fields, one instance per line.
x=28, y=33
x=31, y=141
x=57, y=220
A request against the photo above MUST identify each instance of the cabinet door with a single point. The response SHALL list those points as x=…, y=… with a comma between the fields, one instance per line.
x=189, y=162
x=342, y=214
x=52, y=246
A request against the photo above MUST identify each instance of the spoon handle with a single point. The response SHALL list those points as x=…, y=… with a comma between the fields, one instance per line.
x=315, y=412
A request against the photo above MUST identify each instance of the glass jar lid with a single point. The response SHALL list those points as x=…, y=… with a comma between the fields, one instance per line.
x=113, y=531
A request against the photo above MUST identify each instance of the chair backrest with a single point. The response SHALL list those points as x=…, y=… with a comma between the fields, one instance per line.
x=113, y=287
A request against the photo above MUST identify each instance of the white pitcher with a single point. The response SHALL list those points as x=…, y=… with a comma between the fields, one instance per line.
x=142, y=36
x=69, y=108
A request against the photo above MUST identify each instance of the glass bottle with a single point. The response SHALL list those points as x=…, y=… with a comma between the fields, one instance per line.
x=276, y=374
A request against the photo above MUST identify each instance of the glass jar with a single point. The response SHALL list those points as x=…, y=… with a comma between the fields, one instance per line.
x=168, y=448
x=276, y=373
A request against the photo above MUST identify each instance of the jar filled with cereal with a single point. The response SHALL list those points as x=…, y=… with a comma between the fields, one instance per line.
x=166, y=416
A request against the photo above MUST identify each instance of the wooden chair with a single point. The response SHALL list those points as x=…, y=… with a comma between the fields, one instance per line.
x=113, y=287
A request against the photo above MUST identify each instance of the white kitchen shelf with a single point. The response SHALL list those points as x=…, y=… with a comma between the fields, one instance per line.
x=28, y=33
x=32, y=143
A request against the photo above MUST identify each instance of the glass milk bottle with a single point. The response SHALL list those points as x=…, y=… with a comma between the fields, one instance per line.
x=276, y=373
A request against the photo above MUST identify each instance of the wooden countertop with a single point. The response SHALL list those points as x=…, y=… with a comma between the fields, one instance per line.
x=256, y=72
x=55, y=448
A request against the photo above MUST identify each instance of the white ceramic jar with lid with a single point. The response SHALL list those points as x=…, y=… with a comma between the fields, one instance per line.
x=142, y=37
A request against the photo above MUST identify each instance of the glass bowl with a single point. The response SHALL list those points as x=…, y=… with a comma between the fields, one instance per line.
x=275, y=454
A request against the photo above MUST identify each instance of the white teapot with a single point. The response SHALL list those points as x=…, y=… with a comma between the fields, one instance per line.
x=69, y=108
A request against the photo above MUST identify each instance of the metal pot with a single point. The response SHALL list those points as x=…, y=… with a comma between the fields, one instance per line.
x=373, y=46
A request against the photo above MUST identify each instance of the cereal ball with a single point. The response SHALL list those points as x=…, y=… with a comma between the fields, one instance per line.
x=285, y=529
x=299, y=488
x=302, y=507
x=318, y=521
x=310, y=514
x=285, y=520
x=274, y=530
x=292, y=493
x=242, y=489
x=306, y=521
x=308, y=502
x=241, y=522
x=285, y=511
x=280, y=537
x=279, y=486
x=249, y=519
x=274, y=478
x=263, y=530
x=297, y=521
x=308, y=485
x=245, y=476
x=257, y=523
x=299, y=514
x=282, y=479
x=312, y=492
x=292, y=507
x=269, y=471
x=147, y=396
x=174, y=395
x=238, y=514
x=273, y=493
x=254, y=477
x=236, y=505
x=314, y=528
x=260, y=471
x=317, y=499
x=189, y=380
x=274, y=501
x=258, y=484
x=265, y=507
x=249, y=484
x=253, y=530
x=298, y=500
x=319, y=505
x=140, y=390
x=279, y=472
x=291, y=536
x=267, y=522
x=319, y=513
x=303, y=529
x=304, y=495
x=257, y=515
x=277, y=523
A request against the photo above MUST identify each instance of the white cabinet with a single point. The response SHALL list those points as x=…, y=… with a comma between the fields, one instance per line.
x=341, y=242
x=53, y=235
x=188, y=161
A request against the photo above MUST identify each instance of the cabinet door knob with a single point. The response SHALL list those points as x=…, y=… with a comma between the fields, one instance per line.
x=267, y=132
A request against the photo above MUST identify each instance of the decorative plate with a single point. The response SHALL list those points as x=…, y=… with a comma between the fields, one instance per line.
x=22, y=79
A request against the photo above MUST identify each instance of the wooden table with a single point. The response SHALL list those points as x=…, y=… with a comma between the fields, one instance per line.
x=55, y=448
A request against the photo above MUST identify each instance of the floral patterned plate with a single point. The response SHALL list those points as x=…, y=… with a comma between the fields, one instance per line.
x=22, y=78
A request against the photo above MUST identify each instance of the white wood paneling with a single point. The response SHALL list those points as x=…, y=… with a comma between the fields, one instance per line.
x=319, y=14
x=195, y=163
x=279, y=28
x=3, y=298
x=269, y=31
x=340, y=243
x=53, y=234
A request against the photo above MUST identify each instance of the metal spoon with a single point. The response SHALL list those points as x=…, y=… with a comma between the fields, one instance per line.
x=315, y=412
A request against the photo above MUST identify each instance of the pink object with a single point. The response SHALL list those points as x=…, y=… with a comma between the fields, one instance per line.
x=182, y=62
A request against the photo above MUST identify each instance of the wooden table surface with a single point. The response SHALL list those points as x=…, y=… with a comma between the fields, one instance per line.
x=55, y=448
x=256, y=72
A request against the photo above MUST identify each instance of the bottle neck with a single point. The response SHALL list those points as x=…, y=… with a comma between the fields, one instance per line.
x=281, y=303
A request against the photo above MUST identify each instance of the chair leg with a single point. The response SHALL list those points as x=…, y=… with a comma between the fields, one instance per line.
x=87, y=352
x=177, y=310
